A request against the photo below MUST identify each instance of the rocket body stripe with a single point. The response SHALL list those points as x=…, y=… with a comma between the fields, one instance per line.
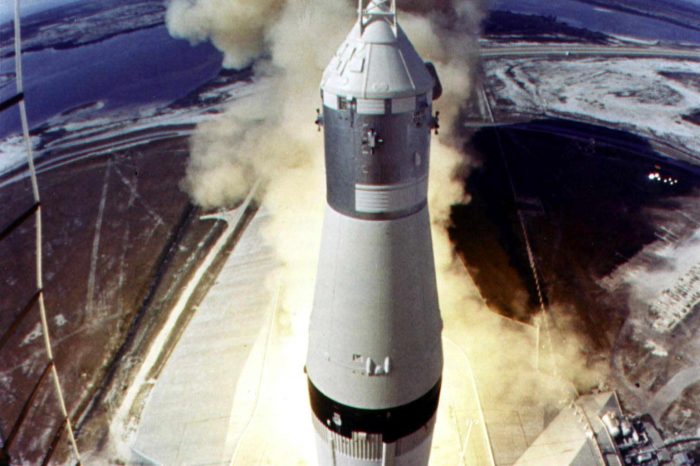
x=374, y=361
x=393, y=423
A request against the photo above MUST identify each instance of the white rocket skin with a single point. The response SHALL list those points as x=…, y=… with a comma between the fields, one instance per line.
x=375, y=357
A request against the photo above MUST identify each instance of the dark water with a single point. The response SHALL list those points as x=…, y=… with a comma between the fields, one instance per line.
x=130, y=70
x=586, y=197
x=607, y=21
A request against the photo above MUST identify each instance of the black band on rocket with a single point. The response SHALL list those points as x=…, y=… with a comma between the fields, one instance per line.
x=338, y=207
x=392, y=423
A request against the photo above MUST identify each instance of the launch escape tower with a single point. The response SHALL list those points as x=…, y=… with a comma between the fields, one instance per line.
x=375, y=357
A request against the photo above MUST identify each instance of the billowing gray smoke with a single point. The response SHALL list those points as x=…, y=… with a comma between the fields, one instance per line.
x=238, y=28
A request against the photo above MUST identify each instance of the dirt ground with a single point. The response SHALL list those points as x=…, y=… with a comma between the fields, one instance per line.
x=119, y=238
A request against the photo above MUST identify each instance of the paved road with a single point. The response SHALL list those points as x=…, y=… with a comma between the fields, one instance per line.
x=673, y=390
x=102, y=145
x=574, y=50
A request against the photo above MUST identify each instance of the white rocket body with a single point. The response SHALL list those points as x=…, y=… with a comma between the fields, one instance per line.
x=375, y=358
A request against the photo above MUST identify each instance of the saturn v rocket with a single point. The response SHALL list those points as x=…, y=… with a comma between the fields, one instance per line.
x=374, y=361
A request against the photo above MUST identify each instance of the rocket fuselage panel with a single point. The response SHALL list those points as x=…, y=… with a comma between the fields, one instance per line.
x=397, y=158
x=375, y=301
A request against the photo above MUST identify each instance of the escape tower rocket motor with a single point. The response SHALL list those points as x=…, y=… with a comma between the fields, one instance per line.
x=374, y=362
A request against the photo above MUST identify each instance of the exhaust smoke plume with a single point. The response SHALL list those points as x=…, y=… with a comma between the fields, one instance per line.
x=238, y=28
x=270, y=136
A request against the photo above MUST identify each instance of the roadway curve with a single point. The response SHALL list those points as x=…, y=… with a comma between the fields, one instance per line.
x=671, y=155
x=673, y=390
x=101, y=145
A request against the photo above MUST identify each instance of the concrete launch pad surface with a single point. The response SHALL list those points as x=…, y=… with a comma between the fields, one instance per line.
x=577, y=436
x=186, y=418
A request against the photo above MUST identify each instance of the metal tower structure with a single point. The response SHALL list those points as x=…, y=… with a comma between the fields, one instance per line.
x=36, y=302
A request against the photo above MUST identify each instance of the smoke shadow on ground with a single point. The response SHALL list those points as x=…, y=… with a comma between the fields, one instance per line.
x=588, y=196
